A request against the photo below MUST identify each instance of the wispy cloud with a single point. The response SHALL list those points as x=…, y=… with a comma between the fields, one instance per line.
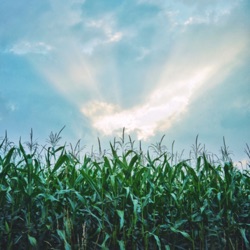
x=93, y=60
x=26, y=47
x=70, y=39
x=104, y=31
x=181, y=12
x=66, y=67
x=90, y=46
x=191, y=68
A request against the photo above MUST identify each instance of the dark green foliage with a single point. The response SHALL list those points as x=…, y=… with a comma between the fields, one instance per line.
x=120, y=201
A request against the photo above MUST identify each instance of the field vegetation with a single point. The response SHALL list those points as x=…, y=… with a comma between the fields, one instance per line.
x=58, y=197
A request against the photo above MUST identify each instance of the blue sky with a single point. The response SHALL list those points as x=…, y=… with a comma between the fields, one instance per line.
x=156, y=67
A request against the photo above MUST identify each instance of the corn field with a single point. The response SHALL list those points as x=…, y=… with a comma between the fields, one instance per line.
x=57, y=197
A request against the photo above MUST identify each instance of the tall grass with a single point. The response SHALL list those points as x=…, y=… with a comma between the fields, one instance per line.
x=54, y=197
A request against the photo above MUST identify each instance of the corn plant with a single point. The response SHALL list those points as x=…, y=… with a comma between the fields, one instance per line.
x=120, y=198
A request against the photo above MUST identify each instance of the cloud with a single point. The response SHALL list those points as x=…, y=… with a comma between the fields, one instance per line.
x=184, y=12
x=209, y=16
x=65, y=67
x=69, y=38
x=116, y=37
x=89, y=47
x=103, y=33
x=26, y=47
x=6, y=107
x=162, y=108
x=97, y=63
x=198, y=60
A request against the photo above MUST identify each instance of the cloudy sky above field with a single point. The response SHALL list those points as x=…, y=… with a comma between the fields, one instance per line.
x=173, y=67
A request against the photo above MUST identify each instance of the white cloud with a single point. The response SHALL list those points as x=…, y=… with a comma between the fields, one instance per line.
x=191, y=62
x=160, y=111
x=107, y=33
x=26, y=47
x=183, y=13
x=115, y=37
x=195, y=20
x=192, y=67
x=242, y=164
x=89, y=47
x=211, y=17
x=67, y=68
x=97, y=108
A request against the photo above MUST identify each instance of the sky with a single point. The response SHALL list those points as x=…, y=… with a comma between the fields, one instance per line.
x=178, y=68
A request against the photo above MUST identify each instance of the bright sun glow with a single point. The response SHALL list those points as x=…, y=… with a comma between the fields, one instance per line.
x=159, y=112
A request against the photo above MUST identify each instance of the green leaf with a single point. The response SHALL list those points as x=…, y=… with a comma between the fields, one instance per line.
x=91, y=182
x=104, y=242
x=121, y=215
x=135, y=203
x=184, y=234
x=127, y=191
x=7, y=228
x=179, y=223
x=133, y=161
x=61, y=234
x=80, y=197
x=32, y=241
x=72, y=204
x=121, y=244
x=8, y=156
x=62, y=159
x=243, y=234
x=67, y=246
x=158, y=242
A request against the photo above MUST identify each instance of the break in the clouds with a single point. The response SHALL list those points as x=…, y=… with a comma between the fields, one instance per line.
x=140, y=64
